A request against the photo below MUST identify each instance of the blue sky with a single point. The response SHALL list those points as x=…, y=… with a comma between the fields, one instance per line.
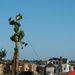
x=49, y=26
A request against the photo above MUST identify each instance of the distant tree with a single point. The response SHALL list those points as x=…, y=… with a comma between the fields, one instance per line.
x=2, y=54
x=38, y=62
x=72, y=61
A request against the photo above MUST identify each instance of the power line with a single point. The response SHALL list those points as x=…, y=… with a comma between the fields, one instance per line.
x=32, y=47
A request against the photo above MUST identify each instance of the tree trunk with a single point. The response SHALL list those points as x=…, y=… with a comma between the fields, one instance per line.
x=16, y=63
x=16, y=60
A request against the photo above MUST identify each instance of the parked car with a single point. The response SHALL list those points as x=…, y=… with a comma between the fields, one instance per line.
x=26, y=73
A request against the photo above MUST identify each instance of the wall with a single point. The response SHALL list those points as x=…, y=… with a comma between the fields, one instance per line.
x=56, y=64
x=50, y=69
x=1, y=68
x=65, y=68
x=30, y=67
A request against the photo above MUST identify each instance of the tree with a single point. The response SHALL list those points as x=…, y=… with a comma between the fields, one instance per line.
x=17, y=38
x=2, y=54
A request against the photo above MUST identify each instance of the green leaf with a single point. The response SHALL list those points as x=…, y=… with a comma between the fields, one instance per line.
x=16, y=49
x=21, y=35
x=16, y=29
x=9, y=19
x=13, y=38
x=26, y=44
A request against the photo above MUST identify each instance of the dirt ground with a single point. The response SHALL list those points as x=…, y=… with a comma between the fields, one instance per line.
x=63, y=74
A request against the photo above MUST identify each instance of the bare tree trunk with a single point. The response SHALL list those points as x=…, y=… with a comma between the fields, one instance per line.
x=16, y=60
x=16, y=63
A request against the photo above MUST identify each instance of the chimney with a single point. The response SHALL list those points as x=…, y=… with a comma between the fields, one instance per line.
x=60, y=64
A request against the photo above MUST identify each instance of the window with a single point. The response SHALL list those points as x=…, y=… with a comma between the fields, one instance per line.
x=53, y=62
x=64, y=68
x=57, y=62
x=20, y=68
x=73, y=68
x=4, y=67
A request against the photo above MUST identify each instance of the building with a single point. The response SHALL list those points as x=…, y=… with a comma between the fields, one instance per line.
x=27, y=67
x=55, y=62
x=7, y=68
x=4, y=67
x=1, y=68
x=60, y=64
x=72, y=66
x=49, y=68
x=65, y=65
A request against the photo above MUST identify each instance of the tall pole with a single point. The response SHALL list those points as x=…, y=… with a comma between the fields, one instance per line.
x=17, y=38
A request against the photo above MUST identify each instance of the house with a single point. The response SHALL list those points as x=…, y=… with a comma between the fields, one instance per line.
x=72, y=66
x=60, y=64
x=49, y=68
x=55, y=62
x=65, y=65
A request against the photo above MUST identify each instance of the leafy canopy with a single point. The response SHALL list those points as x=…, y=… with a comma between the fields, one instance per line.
x=19, y=33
